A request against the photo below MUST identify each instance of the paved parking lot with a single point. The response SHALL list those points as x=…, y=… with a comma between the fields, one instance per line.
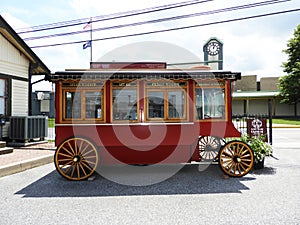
x=268, y=196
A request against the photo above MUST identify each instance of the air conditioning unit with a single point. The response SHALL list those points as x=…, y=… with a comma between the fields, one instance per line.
x=26, y=128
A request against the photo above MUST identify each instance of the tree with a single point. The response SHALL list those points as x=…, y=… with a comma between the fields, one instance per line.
x=289, y=84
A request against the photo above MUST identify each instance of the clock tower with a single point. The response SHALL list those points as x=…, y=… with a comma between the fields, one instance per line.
x=213, y=53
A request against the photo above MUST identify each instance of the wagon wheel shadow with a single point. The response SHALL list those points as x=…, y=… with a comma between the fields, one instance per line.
x=187, y=181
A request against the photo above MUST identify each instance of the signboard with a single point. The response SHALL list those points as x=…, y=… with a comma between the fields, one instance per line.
x=257, y=127
x=128, y=65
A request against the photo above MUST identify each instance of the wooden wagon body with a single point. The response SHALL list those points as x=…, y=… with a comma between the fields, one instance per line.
x=145, y=116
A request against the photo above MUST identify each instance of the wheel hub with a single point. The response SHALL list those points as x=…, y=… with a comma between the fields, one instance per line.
x=237, y=159
x=76, y=158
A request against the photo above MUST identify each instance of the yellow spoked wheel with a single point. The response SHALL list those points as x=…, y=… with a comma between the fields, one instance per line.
x=76, y=159
x=209, y=147
x=236, y=159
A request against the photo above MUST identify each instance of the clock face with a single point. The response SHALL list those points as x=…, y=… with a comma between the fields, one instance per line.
x=213, y=48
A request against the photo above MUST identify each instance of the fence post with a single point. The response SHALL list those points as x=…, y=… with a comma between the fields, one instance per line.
x=270, y=121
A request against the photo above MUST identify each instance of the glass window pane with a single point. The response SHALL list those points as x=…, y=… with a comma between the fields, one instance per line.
x=214, y=103
x=124, y=104
x=2, y=87
x=176, y=104
x=73, y=105
x=199, y=104
x=155, y=104
x=93, y=105
x=2, y=104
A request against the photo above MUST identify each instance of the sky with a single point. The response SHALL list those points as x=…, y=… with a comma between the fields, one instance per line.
x=252, y=47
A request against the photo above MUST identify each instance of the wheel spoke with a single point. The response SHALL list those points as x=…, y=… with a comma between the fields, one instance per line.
x=71, y=154
x=70, y=146
x=84, y=155
x=83, y=170
x=73, y=170
x=66, y=164
x=68, y=156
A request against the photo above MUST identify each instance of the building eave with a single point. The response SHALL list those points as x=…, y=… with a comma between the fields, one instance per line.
x=8, y=32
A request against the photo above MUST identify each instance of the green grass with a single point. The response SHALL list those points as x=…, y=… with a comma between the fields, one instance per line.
x=286, y=121
x=51, y=122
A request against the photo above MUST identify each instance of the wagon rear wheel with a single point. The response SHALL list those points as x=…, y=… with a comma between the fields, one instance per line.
x=76, y=159
x=209, y=147
x=236, y=159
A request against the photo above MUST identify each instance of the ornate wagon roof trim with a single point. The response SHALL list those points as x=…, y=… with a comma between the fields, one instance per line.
x=143, y=74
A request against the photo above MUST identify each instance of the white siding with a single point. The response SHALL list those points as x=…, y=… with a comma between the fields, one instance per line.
x=19, y=98
x=12, y=61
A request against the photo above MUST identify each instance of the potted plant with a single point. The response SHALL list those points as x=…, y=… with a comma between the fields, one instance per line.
x=260, y=149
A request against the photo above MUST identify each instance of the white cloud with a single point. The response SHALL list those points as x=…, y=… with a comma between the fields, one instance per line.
x=14, y=22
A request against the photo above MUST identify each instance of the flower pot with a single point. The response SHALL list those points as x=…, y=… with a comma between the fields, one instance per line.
x=260, y=164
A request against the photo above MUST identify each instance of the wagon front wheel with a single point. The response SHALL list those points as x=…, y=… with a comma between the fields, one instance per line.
x=236, y=159
x=76, y=159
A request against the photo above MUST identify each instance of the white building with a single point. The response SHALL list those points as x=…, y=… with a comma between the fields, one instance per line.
x=18, y=63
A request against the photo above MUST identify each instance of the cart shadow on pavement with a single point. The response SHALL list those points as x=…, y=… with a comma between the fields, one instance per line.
x=264, y=171
x=187, y=181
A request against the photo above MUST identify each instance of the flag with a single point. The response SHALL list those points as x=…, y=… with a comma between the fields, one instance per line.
x=88, y=25
x=87, y=44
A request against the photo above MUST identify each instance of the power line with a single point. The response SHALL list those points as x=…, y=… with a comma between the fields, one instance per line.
x=109, y=16
x=163, y=19
x=173, y=29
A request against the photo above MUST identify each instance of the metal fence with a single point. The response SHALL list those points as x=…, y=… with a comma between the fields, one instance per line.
x=254, y=125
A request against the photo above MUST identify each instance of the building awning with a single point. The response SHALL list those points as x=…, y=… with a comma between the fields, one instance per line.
x=255, y=95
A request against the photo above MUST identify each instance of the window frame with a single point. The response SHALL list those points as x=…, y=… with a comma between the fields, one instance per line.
x=124, y=84
x=166, y=89
x=5, y=97
x=82, y=90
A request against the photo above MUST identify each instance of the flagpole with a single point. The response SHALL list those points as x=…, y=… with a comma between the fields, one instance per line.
x=91, y=40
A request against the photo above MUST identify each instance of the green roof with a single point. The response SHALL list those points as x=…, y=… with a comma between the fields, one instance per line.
x=255, y=94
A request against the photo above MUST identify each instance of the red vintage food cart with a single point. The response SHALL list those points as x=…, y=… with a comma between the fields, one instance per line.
x=143, y=113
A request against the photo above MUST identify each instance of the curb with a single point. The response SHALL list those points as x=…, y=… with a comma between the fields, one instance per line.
x=25, y=165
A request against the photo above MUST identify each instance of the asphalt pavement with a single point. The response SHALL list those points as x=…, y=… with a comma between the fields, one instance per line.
x=268, y=196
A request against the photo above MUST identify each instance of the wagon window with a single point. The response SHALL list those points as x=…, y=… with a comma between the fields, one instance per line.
x=72, y=104
x=125, y=104
x=210, y=103
x=166, y=100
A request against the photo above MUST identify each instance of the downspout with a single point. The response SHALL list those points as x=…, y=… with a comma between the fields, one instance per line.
x=29, y=90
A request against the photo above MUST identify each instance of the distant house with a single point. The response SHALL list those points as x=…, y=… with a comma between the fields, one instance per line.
x=18, y=63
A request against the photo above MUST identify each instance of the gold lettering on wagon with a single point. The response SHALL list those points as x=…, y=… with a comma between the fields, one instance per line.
x=83, y=84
